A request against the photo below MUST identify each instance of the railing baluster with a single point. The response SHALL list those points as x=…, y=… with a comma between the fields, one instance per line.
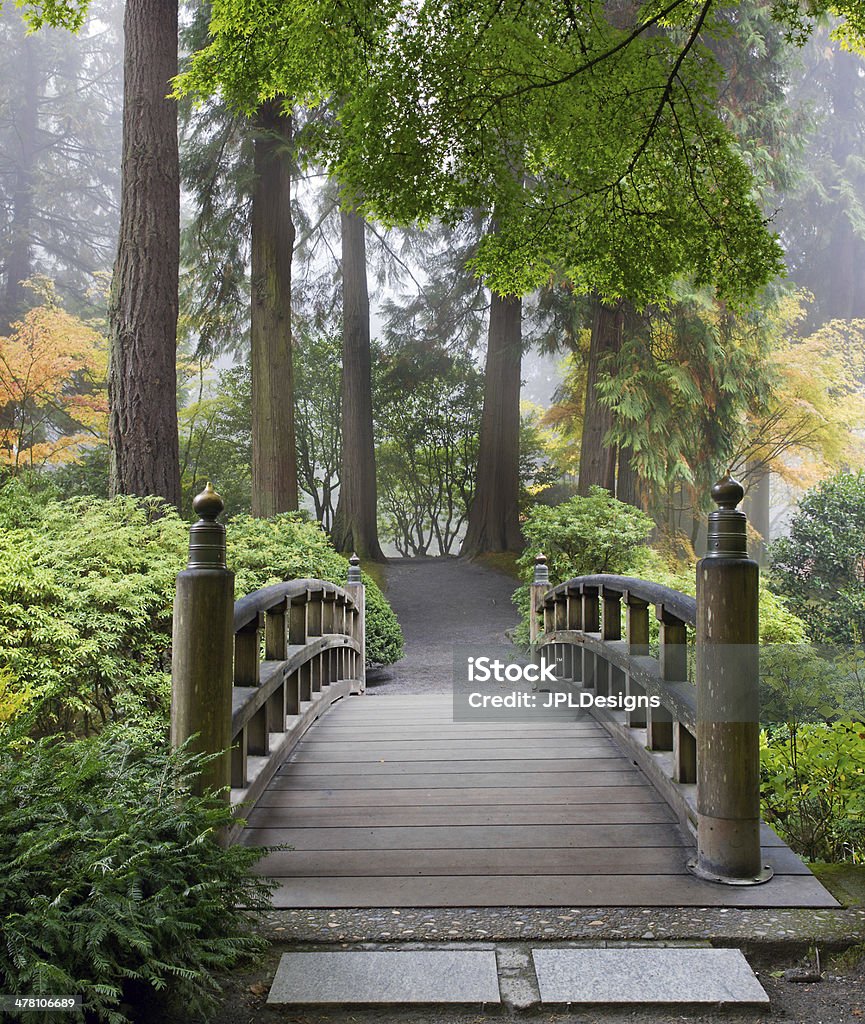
x=238, y=760
x=591, y=624
x=637, y=633
x=314, y=605
x=275, y=632
x=257, y=736
x=292, y=693
x=575, y=622
x=684, y=754
x=305, y=675
x=247, y=653
x=297, y=621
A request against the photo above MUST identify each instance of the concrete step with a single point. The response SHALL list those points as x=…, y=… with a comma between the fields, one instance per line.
x=519, y=975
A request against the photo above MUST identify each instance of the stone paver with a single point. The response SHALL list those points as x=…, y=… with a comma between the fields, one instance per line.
x=646, y=975
x=404, y=977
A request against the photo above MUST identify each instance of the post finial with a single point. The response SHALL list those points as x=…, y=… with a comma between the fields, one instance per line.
x=208, y=504
x=727, y=527
x=207, y=536
x=354, y=569
x=542, y=572
x=727, y=492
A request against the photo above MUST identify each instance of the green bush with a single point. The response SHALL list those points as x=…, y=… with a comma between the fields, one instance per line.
x=813, y=788
x=580, y=537
x=820, y=567
x=86, y=594
x=265, y=551
x=86, y=591
x=597, y=534
x=112, y=882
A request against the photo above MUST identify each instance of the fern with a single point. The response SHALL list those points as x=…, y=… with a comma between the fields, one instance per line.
x=112, y=881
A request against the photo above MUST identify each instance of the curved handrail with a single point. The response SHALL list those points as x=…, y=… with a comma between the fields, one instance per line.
x=313, y=655
x=683, y=606
x=247, y=608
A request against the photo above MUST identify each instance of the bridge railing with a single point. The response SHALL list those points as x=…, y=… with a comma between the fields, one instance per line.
x=697, y=739
x=582, y=630
x=249, y=677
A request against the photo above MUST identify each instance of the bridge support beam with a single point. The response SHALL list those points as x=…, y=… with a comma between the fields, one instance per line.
x=203, y=647
x=728, y=728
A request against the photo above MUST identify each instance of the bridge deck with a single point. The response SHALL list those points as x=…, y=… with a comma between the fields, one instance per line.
x=388, y=802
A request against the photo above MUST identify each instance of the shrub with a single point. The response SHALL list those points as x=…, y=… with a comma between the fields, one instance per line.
x=813, y=788
x=580, y=536
x=587, y=535
x=112, y=882
x=265, y=551
x=86, y=591
x=86, y=594
x=820, y=567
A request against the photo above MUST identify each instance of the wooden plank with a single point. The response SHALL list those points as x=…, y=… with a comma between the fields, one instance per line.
x=456, y=733
x=535, y=782
x=547, y=891
x=360, y=753
x=661, y=860
x=554, y=814
x=519, y=795
x=611, y=762
x=459, y=837
x=416, y=863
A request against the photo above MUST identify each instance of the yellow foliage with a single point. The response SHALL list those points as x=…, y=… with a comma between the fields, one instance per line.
x=11, y=701
x=814, y=421
x=53, y=398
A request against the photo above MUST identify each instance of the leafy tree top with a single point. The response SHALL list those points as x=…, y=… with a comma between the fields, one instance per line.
x=596, y=144
x=69, y=14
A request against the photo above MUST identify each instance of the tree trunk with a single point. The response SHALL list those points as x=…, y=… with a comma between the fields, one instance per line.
x=493, y=523
x=18, y=263
x=355, y=525
x=629, y=487
x=142, y=378
x=274, y=462
x=757, y=508
x=597, y=459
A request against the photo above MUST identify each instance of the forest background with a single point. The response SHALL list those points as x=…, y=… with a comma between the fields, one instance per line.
x=498, y=277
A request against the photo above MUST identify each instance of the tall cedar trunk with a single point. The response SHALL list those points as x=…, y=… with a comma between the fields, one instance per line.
x=18, y=262
x=142, y=377
x=842, y=287
x=758, y=510
x=355, y=525
x=629, y=486
x=493, y=523
x=597, y=459
x=274, y=462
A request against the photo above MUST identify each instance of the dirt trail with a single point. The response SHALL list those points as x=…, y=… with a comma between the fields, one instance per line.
x=441, y=602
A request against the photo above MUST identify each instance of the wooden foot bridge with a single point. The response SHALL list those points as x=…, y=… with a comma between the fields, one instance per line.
x=388, y=801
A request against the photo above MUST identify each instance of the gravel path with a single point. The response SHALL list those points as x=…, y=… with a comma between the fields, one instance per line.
x=441, y=602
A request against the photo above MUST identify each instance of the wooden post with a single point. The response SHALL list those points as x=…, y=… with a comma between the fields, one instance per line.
x=202, y=647
x=728, y=729
x=540, y=585
x=357, y=592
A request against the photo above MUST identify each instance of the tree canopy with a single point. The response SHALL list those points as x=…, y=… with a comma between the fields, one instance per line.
x=597, y=144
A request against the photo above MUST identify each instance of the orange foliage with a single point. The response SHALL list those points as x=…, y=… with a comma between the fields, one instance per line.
x=53, y=396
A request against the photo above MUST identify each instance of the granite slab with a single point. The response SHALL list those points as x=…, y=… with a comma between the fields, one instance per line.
x=402, y=976
x=627, y=976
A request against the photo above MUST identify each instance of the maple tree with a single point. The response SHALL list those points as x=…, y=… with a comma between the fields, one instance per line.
x=53, y=401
